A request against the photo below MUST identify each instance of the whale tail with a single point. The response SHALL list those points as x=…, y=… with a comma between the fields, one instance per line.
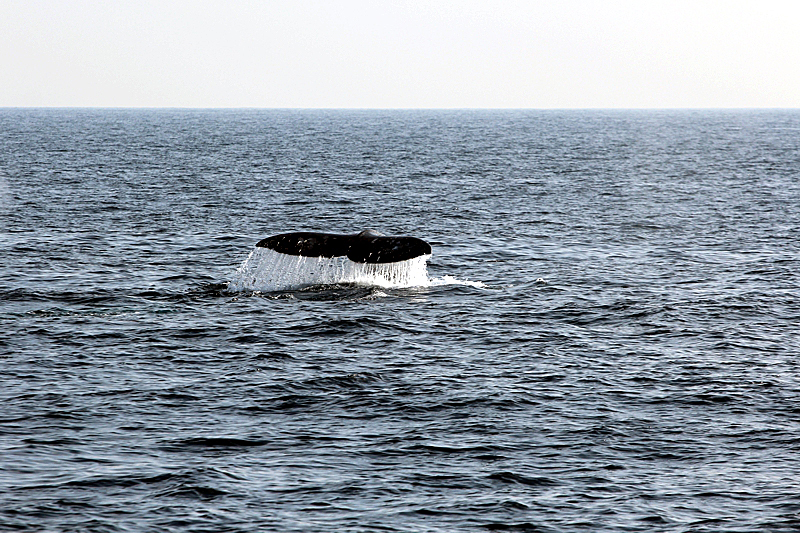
x=365, y=247
x=295, y=260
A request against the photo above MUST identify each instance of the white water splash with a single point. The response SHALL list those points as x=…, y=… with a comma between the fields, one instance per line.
x=267, y=270
x=450, y=280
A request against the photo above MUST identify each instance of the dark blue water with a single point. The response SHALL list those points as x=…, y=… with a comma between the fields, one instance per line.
x=648, y=382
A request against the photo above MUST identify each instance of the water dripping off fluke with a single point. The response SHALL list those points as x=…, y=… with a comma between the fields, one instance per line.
x=267, y=270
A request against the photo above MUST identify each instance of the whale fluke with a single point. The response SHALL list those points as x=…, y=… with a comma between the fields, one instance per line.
x=365, y=247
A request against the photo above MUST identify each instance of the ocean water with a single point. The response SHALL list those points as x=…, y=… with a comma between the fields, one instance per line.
x=605, y=338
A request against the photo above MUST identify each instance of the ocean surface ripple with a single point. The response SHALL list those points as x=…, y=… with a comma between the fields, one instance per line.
x=608, y=339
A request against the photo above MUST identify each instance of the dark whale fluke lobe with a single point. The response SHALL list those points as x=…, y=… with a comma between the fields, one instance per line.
x=365, y=247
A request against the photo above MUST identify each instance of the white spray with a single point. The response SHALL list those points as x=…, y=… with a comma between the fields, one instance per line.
x=267, y=270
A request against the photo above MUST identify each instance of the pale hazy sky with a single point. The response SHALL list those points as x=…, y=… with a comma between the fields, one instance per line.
x=400, y=53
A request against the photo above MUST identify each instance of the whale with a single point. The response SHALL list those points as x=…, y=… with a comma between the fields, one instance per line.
x=368, y=246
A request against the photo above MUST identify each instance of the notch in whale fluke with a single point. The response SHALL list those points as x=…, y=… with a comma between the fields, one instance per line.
x=365, y=247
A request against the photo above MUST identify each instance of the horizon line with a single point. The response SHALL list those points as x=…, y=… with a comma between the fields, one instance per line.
x=289, y=108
